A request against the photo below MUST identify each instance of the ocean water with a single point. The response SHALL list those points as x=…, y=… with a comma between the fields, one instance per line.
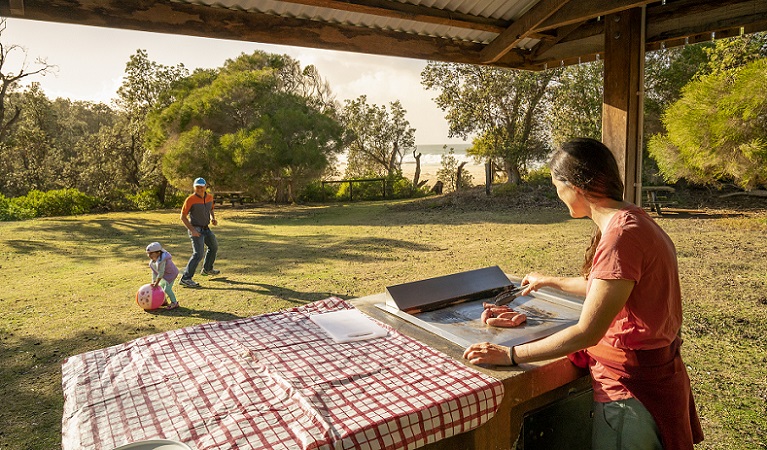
x=431, y=154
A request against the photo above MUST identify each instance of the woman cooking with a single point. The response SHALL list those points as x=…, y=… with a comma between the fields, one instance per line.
x=628, y=331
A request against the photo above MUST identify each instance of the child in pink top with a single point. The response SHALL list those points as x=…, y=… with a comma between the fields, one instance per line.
x=164, y=272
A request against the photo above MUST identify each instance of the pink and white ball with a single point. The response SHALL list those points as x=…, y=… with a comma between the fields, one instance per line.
x=149, y=297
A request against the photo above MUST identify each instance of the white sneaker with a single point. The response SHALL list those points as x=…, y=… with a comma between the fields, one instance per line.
x=210, y=272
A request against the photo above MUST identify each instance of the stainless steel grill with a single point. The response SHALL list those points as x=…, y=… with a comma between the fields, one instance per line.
x=547, y=312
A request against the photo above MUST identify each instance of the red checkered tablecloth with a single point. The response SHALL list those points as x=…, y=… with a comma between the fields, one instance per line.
x=274, y=381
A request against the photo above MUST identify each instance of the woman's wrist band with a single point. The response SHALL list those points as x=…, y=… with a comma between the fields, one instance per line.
x=511, y=356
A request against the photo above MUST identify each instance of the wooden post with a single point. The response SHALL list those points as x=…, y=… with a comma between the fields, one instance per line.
x=624, y=95
x=488, y=177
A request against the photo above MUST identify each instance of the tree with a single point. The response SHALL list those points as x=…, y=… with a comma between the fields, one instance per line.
x=299, y=143
x=307, y=83
x=448, y=172
x=502, y=106
x=735, y=52
x=575, y=108
x=61, y=144
x=9, y=81
x=717, y=130
x=146, y=86
x=245, y=128
x=31, y=157
x=667, y=71
x=379, y=138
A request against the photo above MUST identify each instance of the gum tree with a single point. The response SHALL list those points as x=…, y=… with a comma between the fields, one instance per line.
x=502, y=107
x=378, y=137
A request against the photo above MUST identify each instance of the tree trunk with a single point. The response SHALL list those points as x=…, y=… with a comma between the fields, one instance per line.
x=162, y=189
x=512, y=173
x=417, y=176
x=458, y=174
x=280, y=194
x=291, y=198
x=392, y=166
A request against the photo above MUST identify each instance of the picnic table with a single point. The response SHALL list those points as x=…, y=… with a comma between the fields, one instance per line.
x=274, y=381
x=229, y=196
x=657, y=197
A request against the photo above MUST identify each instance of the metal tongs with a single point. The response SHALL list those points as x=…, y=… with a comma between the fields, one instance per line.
x=508, y=295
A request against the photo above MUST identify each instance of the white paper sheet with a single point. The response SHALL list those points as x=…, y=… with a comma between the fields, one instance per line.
x=348, y=325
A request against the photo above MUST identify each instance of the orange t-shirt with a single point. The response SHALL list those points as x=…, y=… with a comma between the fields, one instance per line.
x=633, y=247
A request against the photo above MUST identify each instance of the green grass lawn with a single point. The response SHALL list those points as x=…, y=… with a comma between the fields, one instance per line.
x=70, y=286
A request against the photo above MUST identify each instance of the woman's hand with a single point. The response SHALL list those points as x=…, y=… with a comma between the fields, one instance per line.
x=488, y=353
x=532, y=282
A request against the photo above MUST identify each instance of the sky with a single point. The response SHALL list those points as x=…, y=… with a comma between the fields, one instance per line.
x=91, y=62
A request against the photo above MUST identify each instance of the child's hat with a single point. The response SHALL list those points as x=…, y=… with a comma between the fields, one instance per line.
x=154, y=247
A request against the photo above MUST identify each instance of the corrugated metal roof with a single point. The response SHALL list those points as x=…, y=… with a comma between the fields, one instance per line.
x=506, y=10
x=462, y=31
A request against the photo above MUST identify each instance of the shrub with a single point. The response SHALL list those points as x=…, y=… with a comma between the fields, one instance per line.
x=448, y=173
x=5, y=214
x=506, y=189
x=145, y=200
x=175, y=200
x=59, y=202
x=11, y=209
x=116, y=200
x=400, y=187
x=539, y=177
x=312, y=192
x=68, y=202
x=361, y=191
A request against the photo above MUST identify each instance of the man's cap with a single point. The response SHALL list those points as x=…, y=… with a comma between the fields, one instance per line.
x=154, y=247
x=200, y=182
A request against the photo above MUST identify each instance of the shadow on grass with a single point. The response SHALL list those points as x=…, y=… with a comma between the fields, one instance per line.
x=679, y=213
x=405, y=213
x=283, y=293
x=215, y=316
x=261, y=240
x=236, y=243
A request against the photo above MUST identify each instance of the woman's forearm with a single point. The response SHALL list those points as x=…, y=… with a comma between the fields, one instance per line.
x=571, y=285
x=606, y=298
x=559, y=344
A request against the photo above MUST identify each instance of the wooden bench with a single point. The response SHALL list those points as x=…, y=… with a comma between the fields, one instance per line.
x=229, y=196
x=657, y=197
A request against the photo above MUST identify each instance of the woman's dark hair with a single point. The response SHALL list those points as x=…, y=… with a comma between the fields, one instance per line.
x=590, y=166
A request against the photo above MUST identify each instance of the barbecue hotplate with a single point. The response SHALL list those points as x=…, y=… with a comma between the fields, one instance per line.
x=548, y=311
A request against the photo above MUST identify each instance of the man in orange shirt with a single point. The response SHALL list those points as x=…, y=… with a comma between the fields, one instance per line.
x=197, y=216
